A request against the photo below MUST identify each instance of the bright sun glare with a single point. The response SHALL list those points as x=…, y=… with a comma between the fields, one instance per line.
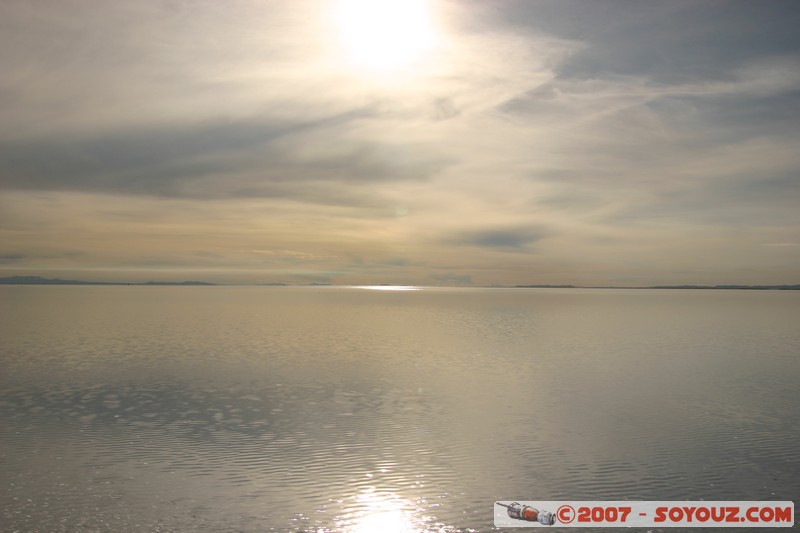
x=381, y=514
x=393, y=521
x=385, y=35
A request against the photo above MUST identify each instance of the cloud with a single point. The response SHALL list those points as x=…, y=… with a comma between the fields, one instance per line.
x=508, y=239
x=402, y=262
x=667, y=42
x=312, y=162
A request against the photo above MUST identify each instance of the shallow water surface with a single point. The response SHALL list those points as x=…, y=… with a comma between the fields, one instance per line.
x=132, y=408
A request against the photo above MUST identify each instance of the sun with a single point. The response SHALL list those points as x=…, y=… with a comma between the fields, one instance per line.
x=385, y=35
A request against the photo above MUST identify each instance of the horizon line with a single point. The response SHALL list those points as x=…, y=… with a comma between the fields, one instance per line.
x=38, y=280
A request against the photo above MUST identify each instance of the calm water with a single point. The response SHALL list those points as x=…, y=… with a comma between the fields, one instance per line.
x=304, y=409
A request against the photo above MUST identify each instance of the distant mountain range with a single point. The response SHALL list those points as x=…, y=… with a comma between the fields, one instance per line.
x=746, y=287
x=738, y=287
x=36, y=280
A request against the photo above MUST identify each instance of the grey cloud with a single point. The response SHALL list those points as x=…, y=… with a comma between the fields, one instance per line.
x=108, y=158
x=514, y=239
x=444, y=109
x=570, y=198
x=16, y=257
x=402, y=262
x=671, y=42
x=256, y=158
x=729, y=118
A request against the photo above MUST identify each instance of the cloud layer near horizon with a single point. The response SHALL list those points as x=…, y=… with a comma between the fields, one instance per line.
x=594, y=142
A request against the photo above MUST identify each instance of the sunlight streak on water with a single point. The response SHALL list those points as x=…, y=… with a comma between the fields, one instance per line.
x=389, y=287
x=395, y=521
x=376, y=512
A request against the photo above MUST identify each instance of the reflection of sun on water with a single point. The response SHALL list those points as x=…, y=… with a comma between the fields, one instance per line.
x=389, y=287
x=383, y=35
x=380, y=513
x=384, y=522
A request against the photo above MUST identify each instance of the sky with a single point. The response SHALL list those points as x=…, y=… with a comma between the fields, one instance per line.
x=601, y=142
